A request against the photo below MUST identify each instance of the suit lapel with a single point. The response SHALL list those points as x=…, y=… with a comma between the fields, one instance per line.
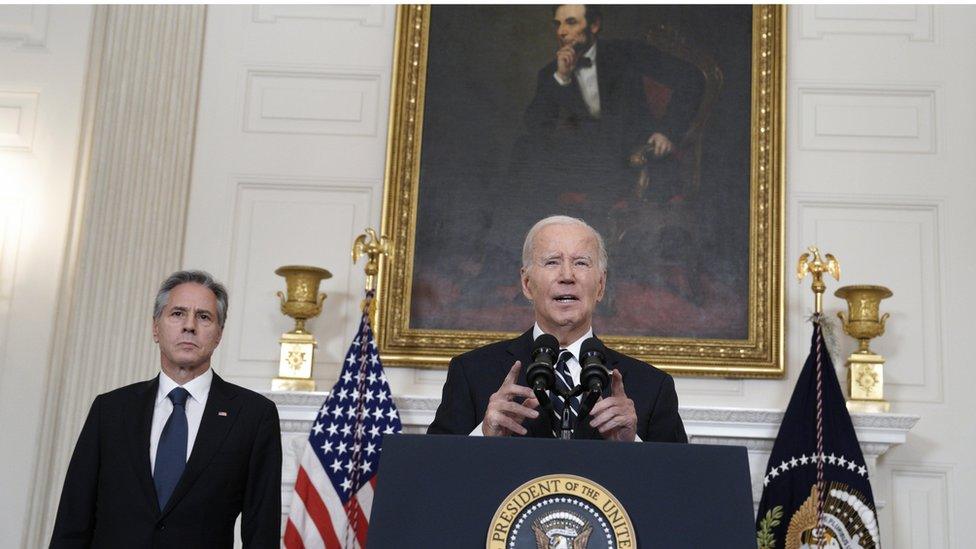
x=521, y=349
x=213, y=430
x=137, y=421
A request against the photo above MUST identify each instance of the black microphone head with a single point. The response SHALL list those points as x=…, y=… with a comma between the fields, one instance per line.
x=593, y=359
x=540, y=375
x=593, y=345
x=548, y=344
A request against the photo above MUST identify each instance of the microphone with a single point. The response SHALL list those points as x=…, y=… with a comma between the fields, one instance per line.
x=593, y=358
x=594, y=376
x=541, y=375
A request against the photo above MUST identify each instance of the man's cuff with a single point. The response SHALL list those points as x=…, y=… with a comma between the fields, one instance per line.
x=560, y=81
x=637, y=438
x=477, y=431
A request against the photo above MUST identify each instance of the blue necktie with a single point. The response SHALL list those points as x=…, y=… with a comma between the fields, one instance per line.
x=171, y=451
x=564, y=381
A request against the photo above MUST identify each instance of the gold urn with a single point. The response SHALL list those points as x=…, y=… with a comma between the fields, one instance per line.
x=302, y=301
x=865, y=374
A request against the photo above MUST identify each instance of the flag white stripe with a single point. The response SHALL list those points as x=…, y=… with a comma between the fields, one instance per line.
x=365, y=498
x=318, y=477
x=311, y=538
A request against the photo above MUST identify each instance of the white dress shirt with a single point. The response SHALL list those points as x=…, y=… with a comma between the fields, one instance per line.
x=588, y=84
x=199, y=389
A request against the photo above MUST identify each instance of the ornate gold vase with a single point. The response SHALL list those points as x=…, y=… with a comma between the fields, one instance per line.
x=865, y=374
x=302, y=302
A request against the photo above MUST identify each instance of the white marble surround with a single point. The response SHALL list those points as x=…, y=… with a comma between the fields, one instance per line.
x=755, y=429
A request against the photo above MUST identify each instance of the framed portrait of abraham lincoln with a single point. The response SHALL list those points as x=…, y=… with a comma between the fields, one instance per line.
x=661, y=126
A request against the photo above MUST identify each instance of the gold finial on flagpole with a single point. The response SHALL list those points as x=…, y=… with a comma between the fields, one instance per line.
x=373, y=247
x=817, y=266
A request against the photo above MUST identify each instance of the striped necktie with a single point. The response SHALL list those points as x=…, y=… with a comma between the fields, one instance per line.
x=564, y=381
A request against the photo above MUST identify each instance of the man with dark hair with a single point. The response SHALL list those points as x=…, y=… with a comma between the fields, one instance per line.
x=172, y=461
x=590, y=114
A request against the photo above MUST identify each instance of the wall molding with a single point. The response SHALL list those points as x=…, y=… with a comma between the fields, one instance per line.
x=929, y=212
x=26, y=33
x=312, y=100
x=867, y=118
x=18, y=119
x=365, y=15
x=913, y=22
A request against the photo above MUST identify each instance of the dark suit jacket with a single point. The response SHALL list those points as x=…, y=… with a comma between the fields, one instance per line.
x=625, y=120
x=109, y=499
x=474, y=376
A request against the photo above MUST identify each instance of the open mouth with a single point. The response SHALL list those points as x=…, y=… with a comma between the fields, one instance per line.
x=565, y=298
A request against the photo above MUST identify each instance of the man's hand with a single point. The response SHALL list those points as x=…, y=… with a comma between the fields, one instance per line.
x=660, y=144
x=504, y=416
x=565, y=62
x=615, y=417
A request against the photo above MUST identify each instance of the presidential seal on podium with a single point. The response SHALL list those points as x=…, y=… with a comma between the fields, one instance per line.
x=561, y=512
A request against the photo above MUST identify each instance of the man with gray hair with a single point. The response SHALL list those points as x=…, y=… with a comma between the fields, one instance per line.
x=173, y=461
x=564, y=275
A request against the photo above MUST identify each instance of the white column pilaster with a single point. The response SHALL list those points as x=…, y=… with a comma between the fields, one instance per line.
x=133, y=179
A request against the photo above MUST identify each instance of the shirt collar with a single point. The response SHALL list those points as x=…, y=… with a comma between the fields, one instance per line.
x=198, y=387
x=573, y=347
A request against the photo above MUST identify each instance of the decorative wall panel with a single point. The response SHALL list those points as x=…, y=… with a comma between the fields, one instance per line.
x=894, y=242
x=18, y=115
x=867, y=119
x=914, y=22
x=23, y=26
x=367, y=16
x=313, y=102
x=286, y=222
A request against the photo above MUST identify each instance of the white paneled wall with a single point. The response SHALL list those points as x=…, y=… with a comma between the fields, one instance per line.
x=290, y=154
x=288, y=167
x=882, y=129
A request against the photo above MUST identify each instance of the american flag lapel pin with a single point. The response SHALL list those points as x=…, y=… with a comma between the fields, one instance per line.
x=222, y=413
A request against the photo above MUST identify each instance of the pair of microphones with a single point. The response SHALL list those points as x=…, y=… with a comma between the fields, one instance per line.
x=594, y=376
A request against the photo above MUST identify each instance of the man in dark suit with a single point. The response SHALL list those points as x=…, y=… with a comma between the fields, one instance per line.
x=563, y=274
x=173, y=461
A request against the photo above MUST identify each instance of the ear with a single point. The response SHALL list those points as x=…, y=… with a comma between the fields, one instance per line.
x=602, y=287
x=595, y=26
x=155, y=331
x=526, y=289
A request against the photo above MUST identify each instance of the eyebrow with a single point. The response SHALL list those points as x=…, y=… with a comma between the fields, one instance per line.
x=185, y=309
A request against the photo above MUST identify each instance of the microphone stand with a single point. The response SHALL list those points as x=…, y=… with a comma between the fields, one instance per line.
x=566, y=427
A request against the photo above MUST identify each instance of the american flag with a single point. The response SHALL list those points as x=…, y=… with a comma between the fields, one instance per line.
x=337, y=473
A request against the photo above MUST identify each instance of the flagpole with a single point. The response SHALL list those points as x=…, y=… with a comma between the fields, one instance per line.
x=374, y=248
x=812, y=263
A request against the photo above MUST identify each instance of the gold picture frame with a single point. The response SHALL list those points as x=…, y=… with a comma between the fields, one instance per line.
x=758, y=354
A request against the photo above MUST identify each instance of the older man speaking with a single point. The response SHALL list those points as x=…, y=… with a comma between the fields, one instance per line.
x=564, y=274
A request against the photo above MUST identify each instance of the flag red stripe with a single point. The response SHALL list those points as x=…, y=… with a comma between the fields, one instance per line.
x=315, y=508
x=292, y=539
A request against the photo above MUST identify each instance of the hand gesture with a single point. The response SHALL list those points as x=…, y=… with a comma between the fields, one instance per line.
x=615, y=417
x=660, y=144
x=505, y=415
x=565, y=62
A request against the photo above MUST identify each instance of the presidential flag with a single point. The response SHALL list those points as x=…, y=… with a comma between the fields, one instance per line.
x=337, y=473
x=816, y=490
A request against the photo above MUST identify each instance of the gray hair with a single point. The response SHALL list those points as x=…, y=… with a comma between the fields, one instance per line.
x=527, y=247
x=202, y=278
